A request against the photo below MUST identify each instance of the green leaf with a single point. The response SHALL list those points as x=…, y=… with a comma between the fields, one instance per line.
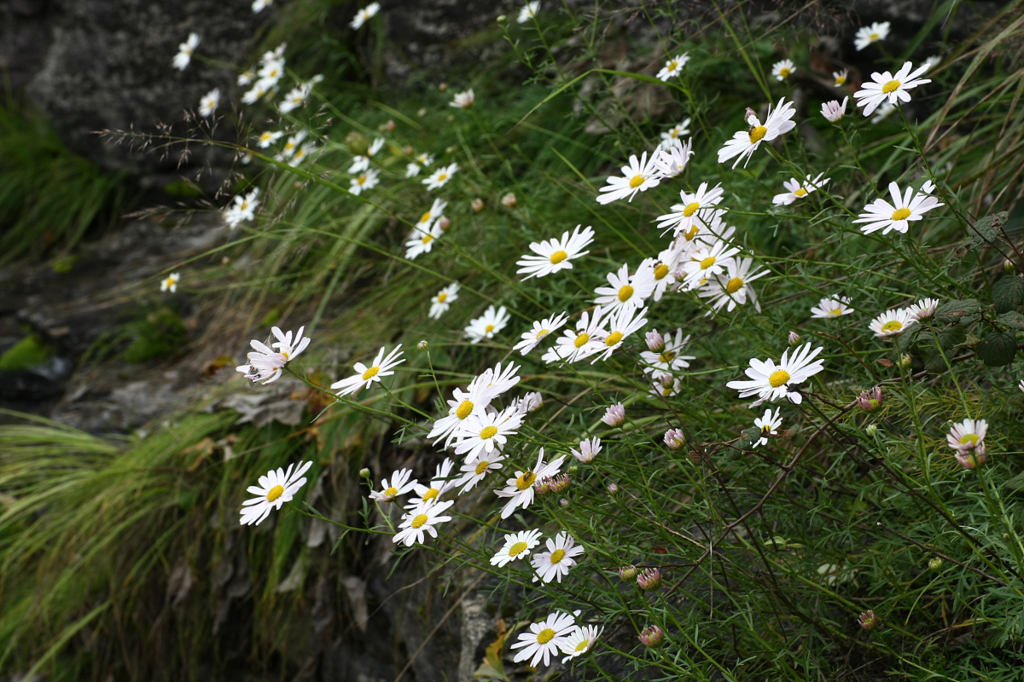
x=1012, y=320
x=948, y=339
x=1008, y=293
x=964, y=312
x=986, y=230
x=997, y=349
x=905, y=341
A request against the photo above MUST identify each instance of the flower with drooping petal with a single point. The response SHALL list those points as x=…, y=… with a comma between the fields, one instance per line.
x=540, y=331
x=421, y=240
x=295, y=98
x=891, y=88
x=871, y=34
x=420, y=520
x=833, y=111
x=673, y=67
x=639, y=176
x=555, y=254
x=367, y=376
x=517, y=546
x=274, y=489
x=768, y=424
x=968, y=439
x=400, y=485
x=463, y=100
x=544, y=638
x=892, y=323
x=589, y=449
x=829, y=308
x=840, y=77
x=906, y=207
x=185, y=50
x=556, y=562
x=520, y=490
x=439, y=484
x=441, y=301
x=673, y=156
x=798, y=190
x=783, y=69
x=772, y=382
x=266, y=364
x=619, y=325
x=924, y=308
x=745, y=142
x=364, y=15
x=487, y=325
x=528, y=11
x=869, y=401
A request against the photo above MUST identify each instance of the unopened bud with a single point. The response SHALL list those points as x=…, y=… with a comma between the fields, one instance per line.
x=906, y=361
x=364, y=473
x=478, y=205
x=502, y=19
x=1009, y=267
x=627, y=573
x=509, y=200
x=674, y=439
x=655, y=341
x=613, y=488
x=649, y=579
x=794, y=338
x=407, y=150
x=564, y=502
x=423, y=345
x=935, y=563
x=614, y=415
x=444, y=223
x=652, y=636
x=442, y=86
x=751, y=117
x=871, y=430
x=389, y=127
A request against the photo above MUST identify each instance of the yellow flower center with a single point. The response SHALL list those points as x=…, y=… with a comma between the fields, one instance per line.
x=370, y=373
x=660, y=271
x=482, y=467
x=674, y=133
x=581, y=339
x=836, y=312
x=757, y=134
x=784, y=72
x=891, y=86
x=707, y=262
x=265, y=136
x=431, y=494
x=673, y=65
x=488, y=432
x=274, y=493
x=419, y=521
x=582, y=646
x=667, y=356
x=625, y=293
x=767, y=428
x=488, y=329
x=691, y=233
x=970, y=439
x=542, y=333
x=691, y=208
x=874, y=36
x=425, y=217
x=636, y=181
x=778, y=377
x=557, y=555
x=892, y=326
x=526, y=480
x=558, y=256
x=427, y=238
x=517, y=549
x=901, y=214
x=442, y=297
x=361, y=180
x=463, y=410
x=442, y=177
x=734, y=285
x=613, y=339
x=545, y=635
x=840, y=80
x=801, y=192
x=391, y=492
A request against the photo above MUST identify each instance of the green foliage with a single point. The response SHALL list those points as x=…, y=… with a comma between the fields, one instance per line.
x=161, y=333
x=31, y=351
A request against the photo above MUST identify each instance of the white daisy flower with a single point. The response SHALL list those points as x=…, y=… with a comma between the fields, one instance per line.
x=532, y=338
x=783, y=69
x=474, y=472
x=302, y=152
x=530, y=402
x=528, y=11
x=185, y=50
x=463, y=100
x=968, y=438
x=555, y=254
x=295, y=98
x=267, y=364
x=581, y=343
x=886, y=87
x=772, y=382
x=840, y=77
x=892, y=323
x=672, y=158
x=441, y=176
x=828, y=308
x=924, y=308
x=670, y=358
x=441, y=301
x=268, y=138
x=579, y=641
x=769, y=424
x=359, y=163
x=419, y=520
x=798, y=191
x=884, y=112
x=673, y=67
x=497, y=380
x=619, y=324
x=290, y=145
x=424, y=159
x=871, y=34
x=364, y=181
x=745, y=142
x=271, y=72
x=589, y=449
x=517, y=546
x=439, y=484
x=556, y=562
x=487, y=325
x=422, y=240
x=208, y=104
x=485, y=432
x=694, y=209
x=400, y=485
x=666, y=386
x=833, y=111
x=676, y=133
x=244, y=208
x=274, y=489
x=260, y=5
x=367, y=376
x=170, y=282
x=245, y=77
x=431, y=214
x=663, y=269
x=544, y=639
x=255, y=94
x=907, y=207
x=639, y=176
x=375, y=146
x=412, y=170
x=364, y=15
x=626, y=291
x=520, y=491
x=464, y=404
x=707, y=262
x=732, y=287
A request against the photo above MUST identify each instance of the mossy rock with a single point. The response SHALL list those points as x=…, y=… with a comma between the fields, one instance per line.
x=31, y=351
x=161, y=334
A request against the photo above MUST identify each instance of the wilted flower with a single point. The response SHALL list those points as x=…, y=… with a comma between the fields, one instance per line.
x=509, y=200
x=868, y=620
x=627, y=573
x=614, y=415
x=674, y=439
x=652, y=636
x=869, y=401
x=463, y=100
x=649, y=579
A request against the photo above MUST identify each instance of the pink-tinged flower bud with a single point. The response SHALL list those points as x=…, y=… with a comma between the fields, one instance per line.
x=969, y=459
x=794, y=338
x=542, y=486
x=869, y=401
x=478, y=205
x=613, y=488
x=442, y=86
x=389, y=127
x=649, y=579
x=559, y=483
x=614, y=415
x=509, y=200
x=652, y=636
x=423, y=345
x=444, y=223
x=751, y=117
x=655, y=341
x=564, y=502
x=407, y=150
x=674, y=439
x=627, y=573
x=589, y=449
x=868, y=620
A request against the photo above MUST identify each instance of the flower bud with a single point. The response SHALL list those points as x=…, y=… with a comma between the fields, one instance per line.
x=652, y=636
x=674, y=439
x=969, y=459
x=444, y=223
x=407, y=150
x=869, y=401
x=906, y=361
x=935, y=563
x=532, y=401
x=501, y=19
x=559, y=483
x=794, y=338
x=655, y=341
x=871, y=430
x=478, y=205
x=389, y=127
x=364, y=473
x=564, y=502
x=357, y=143
x=423, y=345
x=509, y=200
x=613, y=488
x=627, y=573
x=649, y=579
x=751, y=117
x=868, y=620
x=614, y=415
x=542, y=486
x=442, y=86
x=422, y=112
x=1009, y=267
